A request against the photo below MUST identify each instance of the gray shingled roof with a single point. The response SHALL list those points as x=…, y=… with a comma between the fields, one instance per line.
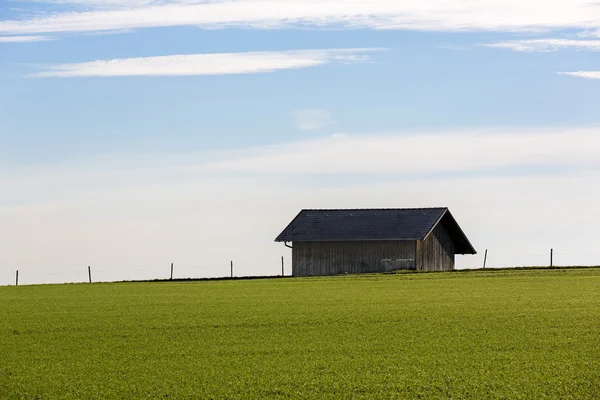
x=373, y=224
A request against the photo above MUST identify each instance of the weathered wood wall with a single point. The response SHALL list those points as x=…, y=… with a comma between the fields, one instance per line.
x=331, y=258
x=436, y=252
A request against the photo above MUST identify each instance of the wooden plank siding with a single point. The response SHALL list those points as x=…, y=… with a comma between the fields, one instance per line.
x=352, y=257
x=436, y=252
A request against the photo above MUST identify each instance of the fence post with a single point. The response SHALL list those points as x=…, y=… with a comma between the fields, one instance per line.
x=551, y=256
x=90, y=273
x=282, y=271
x=485, y=258
x=171, y=271
x=17, y=279
x=232, y=269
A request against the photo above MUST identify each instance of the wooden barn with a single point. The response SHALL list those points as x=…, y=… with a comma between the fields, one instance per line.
x=329, y=242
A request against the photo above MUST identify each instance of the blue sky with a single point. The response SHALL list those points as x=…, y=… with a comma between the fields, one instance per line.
x=119, y=120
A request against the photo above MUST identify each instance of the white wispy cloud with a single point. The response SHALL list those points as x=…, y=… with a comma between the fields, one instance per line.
x=23, y=39
x=114, y=4
x=546, y=45
x=311, y=119
x=405, y=154
x=422, y=153
x=439, y=15
x=583, y=74
x=204, y=64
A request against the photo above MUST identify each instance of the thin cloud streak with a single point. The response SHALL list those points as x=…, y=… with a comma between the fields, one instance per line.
x=583, y=74
x=421, y=153
x=484, y=153
x=546, y=45
x=115, y=4
x=24, y=39
x=205, y=64
x=440, y=15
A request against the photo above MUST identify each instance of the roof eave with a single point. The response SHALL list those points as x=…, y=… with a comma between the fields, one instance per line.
x=279, y=239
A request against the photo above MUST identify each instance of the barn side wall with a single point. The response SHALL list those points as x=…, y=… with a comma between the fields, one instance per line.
x=436, y=252
x=331, y=258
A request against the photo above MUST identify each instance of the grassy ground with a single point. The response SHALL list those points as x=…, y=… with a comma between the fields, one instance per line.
x=485, y=334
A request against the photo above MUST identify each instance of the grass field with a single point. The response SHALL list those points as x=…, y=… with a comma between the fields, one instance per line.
x=482, y=334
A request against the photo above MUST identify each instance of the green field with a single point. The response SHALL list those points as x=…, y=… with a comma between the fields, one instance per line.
x=481, y=334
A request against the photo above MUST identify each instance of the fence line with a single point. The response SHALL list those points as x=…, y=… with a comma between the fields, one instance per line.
x=488, y=255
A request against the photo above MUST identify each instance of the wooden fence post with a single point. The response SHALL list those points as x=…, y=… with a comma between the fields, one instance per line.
x=551, y=256
x=171, y=271
x=232, y=269
x=485, y=258
x=90, y=273
x=17, y=279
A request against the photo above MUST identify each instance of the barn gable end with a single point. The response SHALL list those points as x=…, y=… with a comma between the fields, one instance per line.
x=436, y=252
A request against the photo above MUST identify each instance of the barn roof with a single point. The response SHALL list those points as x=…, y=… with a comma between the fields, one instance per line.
x=373, y=224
